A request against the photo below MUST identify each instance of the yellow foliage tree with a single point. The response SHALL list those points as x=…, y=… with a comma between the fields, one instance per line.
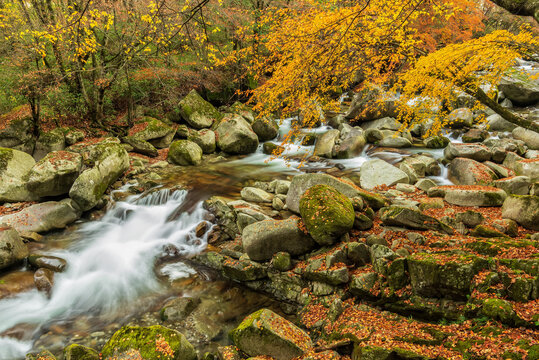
x=474, y=66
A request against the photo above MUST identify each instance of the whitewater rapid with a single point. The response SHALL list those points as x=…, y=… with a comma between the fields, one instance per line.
x=110, y=267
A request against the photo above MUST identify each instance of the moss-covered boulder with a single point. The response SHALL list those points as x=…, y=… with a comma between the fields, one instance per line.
x=42, y=355
x=266, y=333
x=79, y=352
x=436, y=142
x=204, y=138
x=185, y=152
x=53, y=140
x=197, y=112
x=16, y=130
x=54, y=174
x=499, y=309
x=153, y=342
x=235, y=135
x=156, y=132
x=140, y=146
x=524, y=209
x=111, y=162
x=15, y=166
x=12, y=247
x=265, y=128
x=327, y=213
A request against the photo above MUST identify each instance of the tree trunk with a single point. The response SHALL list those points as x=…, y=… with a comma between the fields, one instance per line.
x=500, y=110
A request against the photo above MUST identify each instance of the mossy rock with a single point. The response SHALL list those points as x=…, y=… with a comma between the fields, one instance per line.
x=42, y=355
x=185, y=152
x=501, y=310
x=53, y=140
x=266, y=333
x=436, y=142
x=379, y=353
x=148, y=341
x=270, y=148
x=327, y=213
x=197, y=112
x=79, y=352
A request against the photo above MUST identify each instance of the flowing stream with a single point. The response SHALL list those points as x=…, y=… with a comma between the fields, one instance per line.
x=110, y=267
x=112, y=261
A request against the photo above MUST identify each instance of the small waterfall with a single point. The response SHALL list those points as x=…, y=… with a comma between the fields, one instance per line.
x=110, y=267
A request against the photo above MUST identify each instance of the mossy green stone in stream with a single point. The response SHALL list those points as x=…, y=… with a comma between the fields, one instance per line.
x=266, y=333
x=327, y=213
x=79, y=352
x=436, y=142
x=197, y=112
x=150, y=342
x=42, y=355
x=185, y=152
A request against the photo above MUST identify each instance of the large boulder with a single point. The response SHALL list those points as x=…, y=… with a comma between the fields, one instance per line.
x=53, y=140
x=521, y=87
x=185, y=152
x=378, y=172
x=265, y=128
x=152, y=342
x=325, y=143
x=54, y=174
x=156, y=132
x=197, y=112
x=266, y=333
x=469, y=151
x=371, y=104
x=470, y=172
x=470, y=195
x=459, y=118
x=327, y=213
x=111, y=161
x=16, y=130
x=43, y=217
x=412, y=219
x=300, y=184
x=530, y=138
x=204, y=138
x=235, y=135
x=264, y=238
x=15, y=166
x=528, y=167
x=12, y=248
x=498, y=123
x=351, y=144
x=524, y=209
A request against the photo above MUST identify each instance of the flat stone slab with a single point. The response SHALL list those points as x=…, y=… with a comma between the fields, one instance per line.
x=470, y=195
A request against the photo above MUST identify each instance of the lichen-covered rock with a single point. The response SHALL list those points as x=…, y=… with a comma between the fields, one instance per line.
x=520, y=86
x=185, y=152
x=151, y=342
x=325, y=143
x=12, y=248
x=111, y=162
x=53, y=140
x=459, y=118
x=436, y=142
x=378, y=172
x=529, y=168
x=524, y=209
x=154, y=131
x=43, y=217
x=141, y=146
x=79, y=352
x=464, y=171
x=265, y=128
x=266, y=333
x=15, y=166
x=470, y=195
x=197, y=112
x=204, y=138
x=243, y=270
x=529, y=137
x=17, y=130
x=54, y=174
x=264, y=238
x=327, y=213
x=235, y=135
x=516, y=185
x=410, y=218
x=469, y=151
x=72, y=136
